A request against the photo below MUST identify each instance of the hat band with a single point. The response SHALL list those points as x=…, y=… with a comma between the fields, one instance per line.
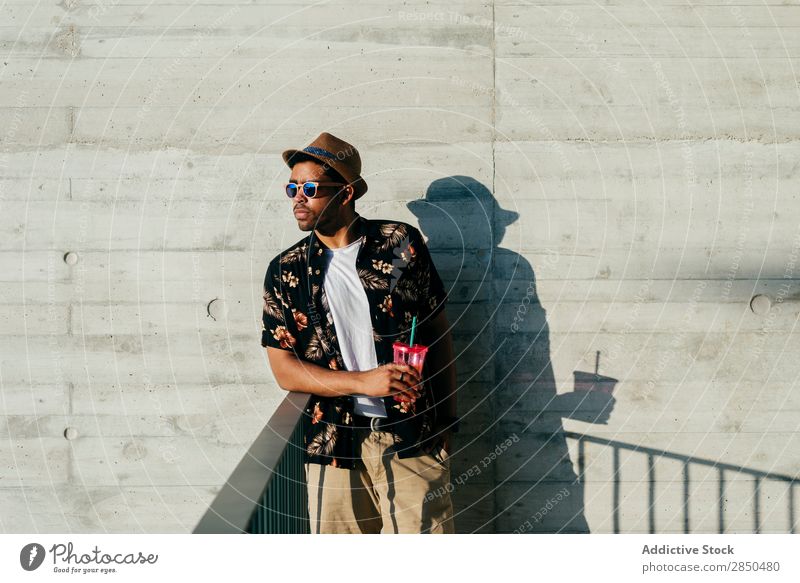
x=318, y=151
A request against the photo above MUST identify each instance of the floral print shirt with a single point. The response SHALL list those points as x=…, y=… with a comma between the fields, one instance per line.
x=400, y=281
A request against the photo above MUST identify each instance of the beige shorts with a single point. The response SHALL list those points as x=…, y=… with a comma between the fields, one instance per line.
x=386, y=495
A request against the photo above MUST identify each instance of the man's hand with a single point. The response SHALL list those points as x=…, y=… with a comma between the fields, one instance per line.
x=391, y=379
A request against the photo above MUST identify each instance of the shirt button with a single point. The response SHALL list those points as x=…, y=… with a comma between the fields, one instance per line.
x=317, y=272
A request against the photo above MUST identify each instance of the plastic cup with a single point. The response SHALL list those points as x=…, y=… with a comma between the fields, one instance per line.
x=411, y=355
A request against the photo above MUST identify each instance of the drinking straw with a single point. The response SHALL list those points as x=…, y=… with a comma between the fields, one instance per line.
x=413, y=329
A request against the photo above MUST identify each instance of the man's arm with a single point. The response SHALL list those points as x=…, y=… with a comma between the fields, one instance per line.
x=440, y=364
x=302, y=376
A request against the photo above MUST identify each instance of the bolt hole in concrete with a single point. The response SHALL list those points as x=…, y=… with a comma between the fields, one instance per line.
x=217, y=309
x=760, y=304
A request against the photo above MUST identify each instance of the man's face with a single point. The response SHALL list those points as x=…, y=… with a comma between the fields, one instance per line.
x=324, y=210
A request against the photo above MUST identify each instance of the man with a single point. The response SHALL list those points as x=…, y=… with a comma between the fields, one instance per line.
x=376, y=433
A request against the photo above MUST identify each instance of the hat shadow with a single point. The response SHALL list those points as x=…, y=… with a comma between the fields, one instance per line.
x=510, y=464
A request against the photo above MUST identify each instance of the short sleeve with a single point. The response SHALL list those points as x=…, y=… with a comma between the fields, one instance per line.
x=432, y=294
x=274, y=329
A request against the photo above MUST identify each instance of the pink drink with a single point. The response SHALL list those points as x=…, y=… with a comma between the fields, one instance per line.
x=411, y=355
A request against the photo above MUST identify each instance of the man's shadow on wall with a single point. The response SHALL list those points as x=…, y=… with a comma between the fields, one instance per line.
x=511, y=469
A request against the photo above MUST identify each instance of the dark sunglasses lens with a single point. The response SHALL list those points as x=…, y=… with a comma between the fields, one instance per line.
x=310, y=189
x=291, y=190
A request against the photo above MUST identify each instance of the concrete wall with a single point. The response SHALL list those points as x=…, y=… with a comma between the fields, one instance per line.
x=616, y=373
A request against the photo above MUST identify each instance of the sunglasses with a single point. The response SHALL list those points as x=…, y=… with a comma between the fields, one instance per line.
x=310, y=189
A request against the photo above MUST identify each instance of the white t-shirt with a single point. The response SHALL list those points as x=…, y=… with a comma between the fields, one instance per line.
x=347, y=301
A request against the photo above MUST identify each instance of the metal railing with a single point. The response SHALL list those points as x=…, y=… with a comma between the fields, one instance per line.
x=266, y=493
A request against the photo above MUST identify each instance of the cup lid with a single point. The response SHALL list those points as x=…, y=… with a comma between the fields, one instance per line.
x=405, y=346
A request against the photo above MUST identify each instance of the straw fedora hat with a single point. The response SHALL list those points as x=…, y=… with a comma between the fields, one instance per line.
x=334, y=153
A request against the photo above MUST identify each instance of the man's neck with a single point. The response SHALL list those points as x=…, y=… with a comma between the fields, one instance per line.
x=342, y=236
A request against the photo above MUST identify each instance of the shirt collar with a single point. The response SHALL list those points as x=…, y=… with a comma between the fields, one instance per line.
x=360, y=229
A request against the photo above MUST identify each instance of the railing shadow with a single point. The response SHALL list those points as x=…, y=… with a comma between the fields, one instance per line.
x=688, y=465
